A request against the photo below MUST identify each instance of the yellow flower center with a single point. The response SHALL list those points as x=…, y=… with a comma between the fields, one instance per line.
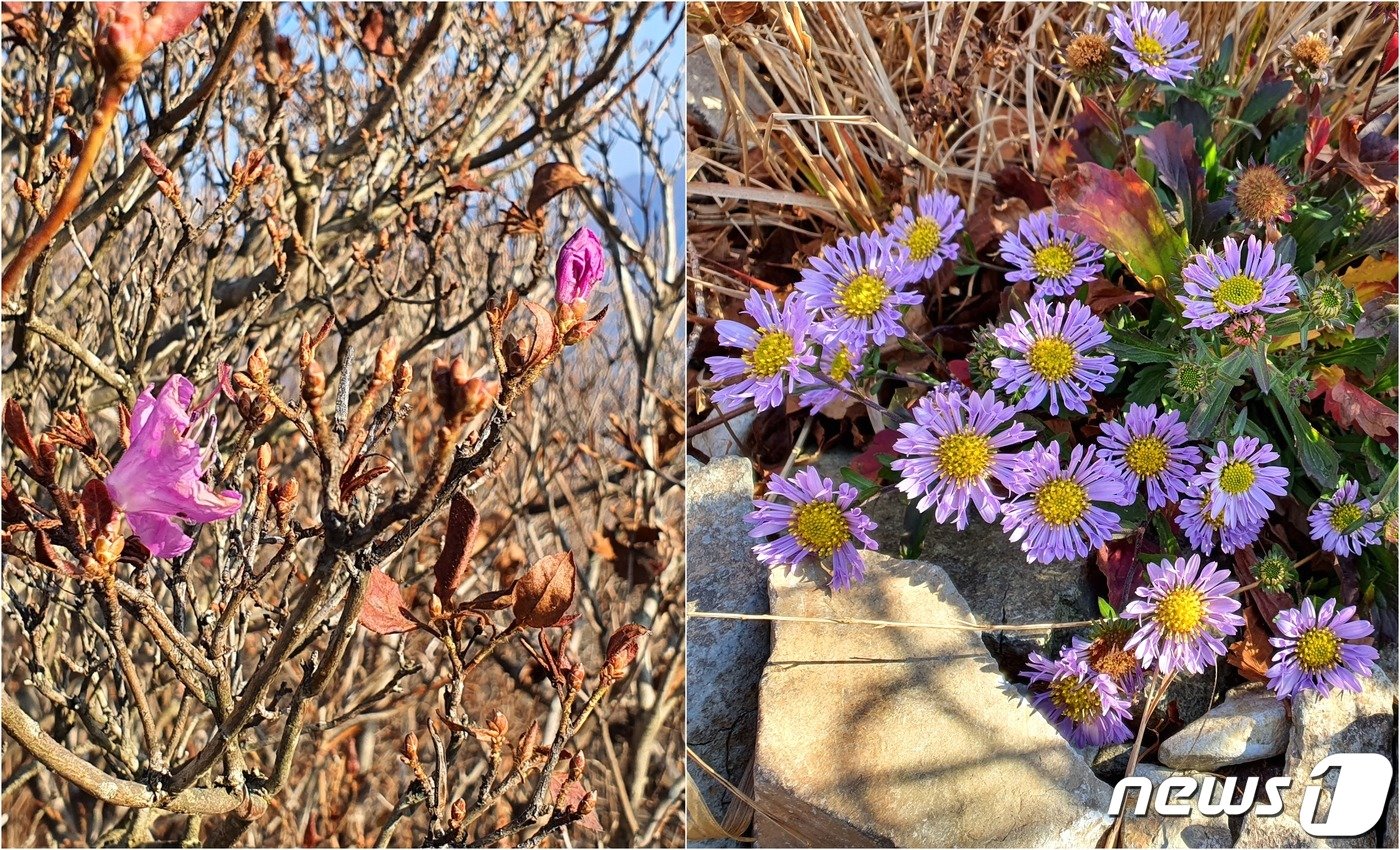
x=1149, y=49
x=773, y=352
x=1312, y=52
x=924, y=237
x=964, y=457
x=841, y=365
x=820, y=527
x=1236, y=293
x=863, y=296
x=1146, y=456
x=1061, y=502
x=1181, y=612
x=1344, y=517
x=1237, y=477
x=1051, y=358
x=1078, y=700
x=1053, y=262
x=1318, y=650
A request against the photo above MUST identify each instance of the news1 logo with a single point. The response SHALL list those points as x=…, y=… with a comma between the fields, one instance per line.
x=1358, y=800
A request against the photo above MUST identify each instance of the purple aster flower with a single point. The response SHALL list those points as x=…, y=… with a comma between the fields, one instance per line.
x=859, y=284
x=1203, y=527
x=1332, y=522
x=773, y=356
x=841, y=365
x=822, y=522
x=1056, y=260
x=1313, y=652
x=1048, y=355
x=1085, y=706
x=930, y=236
x=159, y=481
x=1153, y=42
x=1185, y=612
x=580, y=267
x=1153, y=449
x=1244, y=278
x=949, y=454
x=1240, y=482
x=1053, y=510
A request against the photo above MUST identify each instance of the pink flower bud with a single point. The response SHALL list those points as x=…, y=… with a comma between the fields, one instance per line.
x=126, y=35
x=580, y=267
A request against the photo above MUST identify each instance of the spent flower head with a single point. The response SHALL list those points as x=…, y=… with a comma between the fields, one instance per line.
x=1262, y=195
x=1089, y=60
x=1311, y=55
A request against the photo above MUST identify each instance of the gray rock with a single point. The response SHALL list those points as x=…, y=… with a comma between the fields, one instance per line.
x=903, y=736
x=1193, y=695
x=1341, y=722
x=1248, y=726
x=1153, y=830
x=1111, y=762
x=724, y=658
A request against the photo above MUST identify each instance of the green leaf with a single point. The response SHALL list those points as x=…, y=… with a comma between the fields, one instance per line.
x=1209, y=410
x=1106, y=611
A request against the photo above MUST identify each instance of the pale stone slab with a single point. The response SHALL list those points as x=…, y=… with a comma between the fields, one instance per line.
x=1249, y=725
x=908, y=737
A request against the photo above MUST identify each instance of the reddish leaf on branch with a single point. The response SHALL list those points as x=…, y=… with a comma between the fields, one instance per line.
x=1350, y=406
x=463, y=522
x=383, y=611
x=99, y=514
x=1104, y=296
x=545, y=593
x=17, y=428
x=377, y=33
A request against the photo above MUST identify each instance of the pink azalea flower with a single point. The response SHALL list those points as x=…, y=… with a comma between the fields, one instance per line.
x=127, y=35
x=158, y=483
x=579, y=268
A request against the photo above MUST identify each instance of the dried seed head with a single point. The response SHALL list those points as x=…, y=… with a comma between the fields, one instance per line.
x=1262, y=195
x=1089, y=58
x=1312, y=54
